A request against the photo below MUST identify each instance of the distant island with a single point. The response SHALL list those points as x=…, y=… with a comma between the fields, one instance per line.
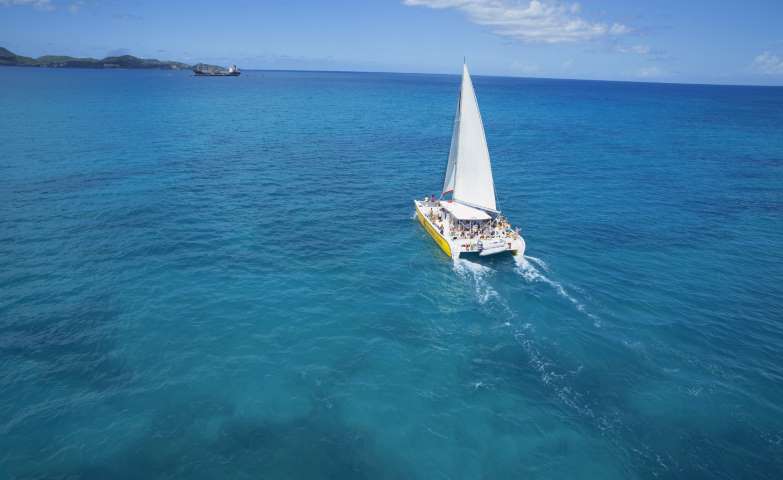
x=10, y=59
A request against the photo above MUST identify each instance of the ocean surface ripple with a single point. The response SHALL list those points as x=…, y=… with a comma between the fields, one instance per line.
x=221, y=278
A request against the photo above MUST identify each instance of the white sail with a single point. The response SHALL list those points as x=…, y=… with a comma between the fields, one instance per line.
x=469, y=173
x=448, y=182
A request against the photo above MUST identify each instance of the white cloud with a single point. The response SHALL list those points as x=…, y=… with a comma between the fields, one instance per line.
x=538, y=21
x=75, y=6
x=127, y=17
x=39, y=4
x=768, y=63
x=619, y=29
x=649, y=72
x=638, y=49
x=521, y=68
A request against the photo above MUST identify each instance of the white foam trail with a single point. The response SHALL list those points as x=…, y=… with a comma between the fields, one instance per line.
x=530, y=273
x=478, y=275
x=550, y=376
x=538, y=262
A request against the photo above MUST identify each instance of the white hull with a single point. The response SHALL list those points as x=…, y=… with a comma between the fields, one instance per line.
x=455, y=242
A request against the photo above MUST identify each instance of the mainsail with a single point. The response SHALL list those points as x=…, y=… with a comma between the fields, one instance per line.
x=469, y=173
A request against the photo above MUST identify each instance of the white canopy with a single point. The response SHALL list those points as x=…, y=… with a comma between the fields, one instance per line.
x=469, y=173
x=464, y=212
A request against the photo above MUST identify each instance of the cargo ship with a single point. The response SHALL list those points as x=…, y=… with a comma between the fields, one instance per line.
x=204, y=70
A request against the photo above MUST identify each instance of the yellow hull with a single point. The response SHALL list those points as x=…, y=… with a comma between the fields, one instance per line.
x=442, y=243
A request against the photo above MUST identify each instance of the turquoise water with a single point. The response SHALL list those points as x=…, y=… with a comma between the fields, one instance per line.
x=221, y=278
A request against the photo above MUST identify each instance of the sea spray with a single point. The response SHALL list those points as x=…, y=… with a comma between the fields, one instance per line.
x=477, y=274
x=542, y=264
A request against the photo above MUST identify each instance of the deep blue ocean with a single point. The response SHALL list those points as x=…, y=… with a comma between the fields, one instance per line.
x=222, y=278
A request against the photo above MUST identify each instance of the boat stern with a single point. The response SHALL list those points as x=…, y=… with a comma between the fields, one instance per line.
x=490, y=247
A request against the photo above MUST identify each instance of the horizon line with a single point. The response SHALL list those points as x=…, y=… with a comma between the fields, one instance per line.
x=649, y=82
x=511, y=76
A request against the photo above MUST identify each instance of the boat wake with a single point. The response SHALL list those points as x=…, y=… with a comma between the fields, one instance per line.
x=532, y=269
x=479, y=275
x=559, y=380
x=542, y=264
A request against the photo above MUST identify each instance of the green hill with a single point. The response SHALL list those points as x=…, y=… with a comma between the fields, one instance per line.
x=8, y=58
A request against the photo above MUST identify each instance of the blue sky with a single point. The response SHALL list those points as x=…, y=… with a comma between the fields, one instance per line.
x=665, y=40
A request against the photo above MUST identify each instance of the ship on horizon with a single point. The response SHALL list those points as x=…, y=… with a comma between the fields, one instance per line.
x=204, y=70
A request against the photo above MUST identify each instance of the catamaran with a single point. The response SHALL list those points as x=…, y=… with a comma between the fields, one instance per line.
x=468, y=222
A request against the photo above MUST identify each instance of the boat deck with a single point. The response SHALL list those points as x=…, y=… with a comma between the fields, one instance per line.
x=456, y=237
